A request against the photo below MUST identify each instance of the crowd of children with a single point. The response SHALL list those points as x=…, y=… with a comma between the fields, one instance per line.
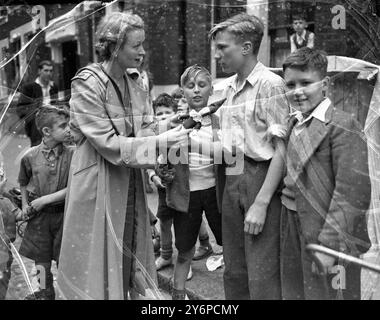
x=299, y=175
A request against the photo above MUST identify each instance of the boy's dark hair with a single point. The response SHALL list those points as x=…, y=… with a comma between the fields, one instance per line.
x=165, y=100
x=177, y=93
x=44, y=63
x=298, y=16
x=192, y=72
x=47, y=115
x=243, y=26
x=307, y=59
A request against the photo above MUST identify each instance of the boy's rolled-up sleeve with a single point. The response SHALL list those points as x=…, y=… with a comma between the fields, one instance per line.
x=25, y=172
x=276, y=109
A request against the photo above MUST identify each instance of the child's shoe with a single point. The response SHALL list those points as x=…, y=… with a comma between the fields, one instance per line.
x=179, y=294
x=162, y=263
x=203, y=252
x=156, y=245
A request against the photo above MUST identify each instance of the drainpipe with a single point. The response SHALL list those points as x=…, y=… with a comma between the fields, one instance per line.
x=182, y=30
x=212, y=48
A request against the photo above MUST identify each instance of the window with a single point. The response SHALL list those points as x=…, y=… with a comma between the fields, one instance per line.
x=3, y=15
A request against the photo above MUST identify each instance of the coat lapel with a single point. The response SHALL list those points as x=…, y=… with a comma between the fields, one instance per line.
x=114, y=108
x=116, y=112
x=140, y=102
x=308, y=143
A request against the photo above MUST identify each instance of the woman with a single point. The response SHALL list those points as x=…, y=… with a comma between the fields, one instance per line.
x=107, y=249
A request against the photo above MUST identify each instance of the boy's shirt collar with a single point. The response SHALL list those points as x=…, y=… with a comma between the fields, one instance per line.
x=57, y=150
x=319, y=112
x=251, y=79
x=50, y=84
x=302, y=36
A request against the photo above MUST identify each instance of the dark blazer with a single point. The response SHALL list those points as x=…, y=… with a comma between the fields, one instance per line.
x=29, y=102
x=178, y=192
x=333, y=189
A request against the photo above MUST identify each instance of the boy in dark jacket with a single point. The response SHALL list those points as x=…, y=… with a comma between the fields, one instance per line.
x=327, y=186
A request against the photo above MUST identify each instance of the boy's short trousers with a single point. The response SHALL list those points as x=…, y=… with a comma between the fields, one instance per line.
x=187, y=225
x=43, y=236
x=163, y=211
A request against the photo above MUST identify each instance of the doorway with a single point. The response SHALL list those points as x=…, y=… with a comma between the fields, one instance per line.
x=69, y=65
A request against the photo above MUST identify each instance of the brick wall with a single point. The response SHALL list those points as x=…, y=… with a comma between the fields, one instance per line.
x=333, y=41
x=85, y=41
x=176, y=31
x=359, y=40
x=197, y=26
x=164, y=38
x=177, y=34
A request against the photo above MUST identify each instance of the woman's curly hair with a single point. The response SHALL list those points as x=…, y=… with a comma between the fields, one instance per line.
x=112, y=32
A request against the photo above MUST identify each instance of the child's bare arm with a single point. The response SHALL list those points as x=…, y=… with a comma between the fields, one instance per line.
x=19, y=214
x=24, y=197
x=256, y=214
x=310, y=42
x=292, y=44
x=274, y=174
x=155, y=178
x=43, y=201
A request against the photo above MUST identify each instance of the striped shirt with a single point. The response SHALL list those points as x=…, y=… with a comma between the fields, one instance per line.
x=252, y=111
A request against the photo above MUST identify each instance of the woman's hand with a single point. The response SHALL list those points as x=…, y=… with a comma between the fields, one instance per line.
x=178, y=136
x=177, y=119
x=157, y=182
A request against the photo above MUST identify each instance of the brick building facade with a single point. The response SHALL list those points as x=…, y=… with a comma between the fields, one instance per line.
x=176, y=34
x=19, y=25
x=343, y=27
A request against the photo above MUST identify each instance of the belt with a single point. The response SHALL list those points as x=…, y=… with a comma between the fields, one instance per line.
x=249, y=159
